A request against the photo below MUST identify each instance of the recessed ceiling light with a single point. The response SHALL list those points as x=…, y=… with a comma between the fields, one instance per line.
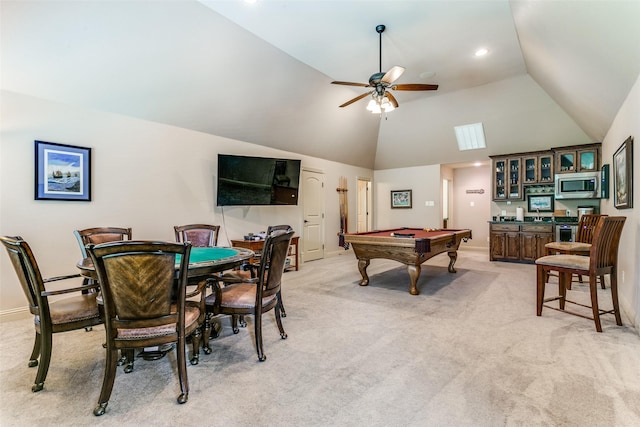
x=482, y=51
x=427, y=74
x=477, y=164
x=250, y=1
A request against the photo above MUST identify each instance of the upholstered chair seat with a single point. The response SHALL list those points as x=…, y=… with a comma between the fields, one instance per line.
x=565, y=261
x=239, y=296
x=72, y=310
x=564, y=247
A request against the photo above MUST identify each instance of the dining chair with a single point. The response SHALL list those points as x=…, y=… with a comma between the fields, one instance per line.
x=145, y=304
x=200, y=235
x=581, y=246
x=76, y=310
x=602, y=260
x=250, y=270
x=254, y=296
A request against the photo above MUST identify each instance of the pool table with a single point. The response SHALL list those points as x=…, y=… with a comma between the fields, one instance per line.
x=410, y=246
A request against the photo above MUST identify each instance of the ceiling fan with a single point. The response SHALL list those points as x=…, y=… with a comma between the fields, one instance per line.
x=382, y=99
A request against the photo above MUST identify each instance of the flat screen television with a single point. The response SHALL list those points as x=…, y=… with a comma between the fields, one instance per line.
x=257, y=181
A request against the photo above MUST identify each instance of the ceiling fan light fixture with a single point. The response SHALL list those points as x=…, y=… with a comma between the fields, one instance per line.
x=379, y=104
x=386, y=105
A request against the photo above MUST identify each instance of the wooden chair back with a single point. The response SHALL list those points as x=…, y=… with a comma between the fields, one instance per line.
x=200, y=235
x=97, y=235
x=137, y=281
x=604, y=247
x=272, y=262
x=586, y=227
x=272, y=228
x=29, y=276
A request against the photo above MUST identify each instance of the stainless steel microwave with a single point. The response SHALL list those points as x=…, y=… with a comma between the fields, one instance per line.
x=582, y=185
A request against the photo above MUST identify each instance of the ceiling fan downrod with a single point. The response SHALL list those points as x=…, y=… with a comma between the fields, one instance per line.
x=380, y=29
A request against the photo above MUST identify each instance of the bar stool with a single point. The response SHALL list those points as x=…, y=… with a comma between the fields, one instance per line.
x=581, y=246
x=602, y=259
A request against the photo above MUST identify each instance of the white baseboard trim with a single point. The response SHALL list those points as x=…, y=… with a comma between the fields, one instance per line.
x=15, y=314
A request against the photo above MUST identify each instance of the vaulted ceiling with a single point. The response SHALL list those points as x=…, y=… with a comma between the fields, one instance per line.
x=556, y=72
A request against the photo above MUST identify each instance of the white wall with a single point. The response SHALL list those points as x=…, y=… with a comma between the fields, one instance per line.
x=627, y=123
x=426, y=185
x=145, y=175
x=424, y=181
x=472, y=210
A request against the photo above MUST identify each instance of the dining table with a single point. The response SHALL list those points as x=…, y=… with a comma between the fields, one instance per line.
x=203, y=261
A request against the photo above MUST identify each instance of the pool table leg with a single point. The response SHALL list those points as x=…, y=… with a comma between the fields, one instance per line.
x=362, y=266
x=453, y=256
x=414, y=275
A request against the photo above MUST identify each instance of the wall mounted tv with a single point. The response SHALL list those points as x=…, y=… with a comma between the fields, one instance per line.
x=257, y=181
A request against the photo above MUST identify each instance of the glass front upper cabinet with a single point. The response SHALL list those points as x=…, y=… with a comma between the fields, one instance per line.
x=507, y=184
x=515, y=186
x=545, y=163
x=530, y=170
x=566, y=161
x=499, y=180
x=578, y=158
x=587, y=160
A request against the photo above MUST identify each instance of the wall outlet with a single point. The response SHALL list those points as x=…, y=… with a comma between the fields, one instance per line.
x=622, y=276
x=472, y=204
x=429, y=203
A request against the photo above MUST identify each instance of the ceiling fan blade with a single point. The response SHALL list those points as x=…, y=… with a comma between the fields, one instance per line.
x=357, y=98
x=392, y=99
x=414, y=86
x=393, y=74
x=350, y=84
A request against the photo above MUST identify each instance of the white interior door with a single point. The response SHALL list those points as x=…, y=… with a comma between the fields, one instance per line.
x=446, y=204
x=313, y=215
x=364, y=205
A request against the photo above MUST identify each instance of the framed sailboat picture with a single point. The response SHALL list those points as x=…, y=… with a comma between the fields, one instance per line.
x=62, y=172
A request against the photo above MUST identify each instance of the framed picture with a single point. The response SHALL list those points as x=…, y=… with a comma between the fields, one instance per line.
x=623, y=175
x=541, y=203
x=401, y=199
x=62, y=172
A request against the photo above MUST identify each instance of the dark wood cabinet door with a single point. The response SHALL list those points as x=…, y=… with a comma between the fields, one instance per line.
x=529, y=246
x=512, y=250
x=498, y=246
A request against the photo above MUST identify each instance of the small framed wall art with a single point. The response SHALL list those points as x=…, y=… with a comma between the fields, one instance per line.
x=623, y=175
x=540, y=203
x=400, y=199
x=62, y=172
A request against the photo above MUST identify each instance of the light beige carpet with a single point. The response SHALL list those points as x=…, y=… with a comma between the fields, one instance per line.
x=468, y=351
